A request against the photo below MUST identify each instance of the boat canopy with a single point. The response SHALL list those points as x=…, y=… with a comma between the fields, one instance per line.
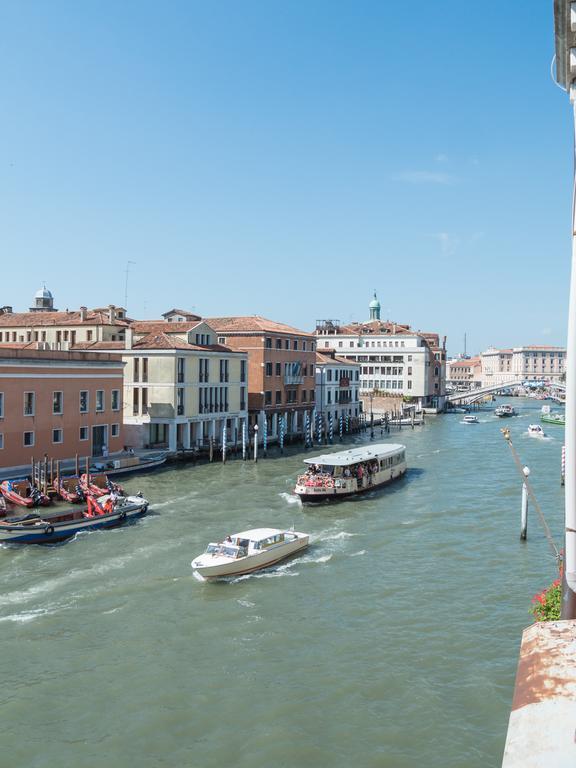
x=357, y=455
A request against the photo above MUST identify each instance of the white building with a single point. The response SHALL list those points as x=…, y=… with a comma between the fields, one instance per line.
x=337, y=388
x=394, y=358
x=520, y=364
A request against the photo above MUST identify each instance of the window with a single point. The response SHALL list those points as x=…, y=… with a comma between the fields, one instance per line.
x=83, y=433
x=204, y=370
x=180, y=370
x=1, y=441
x=57, y=402
x=28, y=439
x=83, y=401
x=409, y=385
x=136, y=369
x=115, y=399
x=295, y=344
x=115, y=430
x=223, y=370
x=221, y=339
x=179, y=401
x=145, y=400
x=99, y=400
x=268, y=343
x=303, y=395
x=268, y=398
x=287, y=344
x=88, y=335
x=268, y=369
x=1, y=405
x=29, y=405
x=242, y=398
x=242, y=370
x=278, y=369
x=304, y=346
x=57, y=435
x=312, y=395
x=144, y=369
x=278, y=343
x=135, y=401
x=278, y=397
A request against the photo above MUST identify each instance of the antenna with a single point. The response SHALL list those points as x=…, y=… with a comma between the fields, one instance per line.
x=126, y=283
x=464, y=344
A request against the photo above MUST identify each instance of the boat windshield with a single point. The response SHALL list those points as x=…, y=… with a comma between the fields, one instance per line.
x=226, y=550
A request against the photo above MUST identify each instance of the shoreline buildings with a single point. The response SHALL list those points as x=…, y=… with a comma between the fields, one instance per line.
x=520, y=364
x=394, y=358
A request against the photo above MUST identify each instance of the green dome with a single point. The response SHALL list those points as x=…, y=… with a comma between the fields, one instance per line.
x=374, y=304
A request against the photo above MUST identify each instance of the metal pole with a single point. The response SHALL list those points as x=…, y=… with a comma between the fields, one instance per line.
x=569, y=570
x=524, y=516
x=244, y=440
x=265, y=436
x=224, y=436
x=255, y=442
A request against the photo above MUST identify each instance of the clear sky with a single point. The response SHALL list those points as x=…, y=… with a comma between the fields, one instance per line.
x=288, y=158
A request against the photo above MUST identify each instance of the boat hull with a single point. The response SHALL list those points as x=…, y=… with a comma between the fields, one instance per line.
x=252, y=562
x=47, y=532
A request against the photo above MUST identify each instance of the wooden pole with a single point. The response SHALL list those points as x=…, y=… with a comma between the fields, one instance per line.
x=524, y=513
x=87, y=471
x=32, y=468
x=45, y=473
x=211, y=448
x=77, y=461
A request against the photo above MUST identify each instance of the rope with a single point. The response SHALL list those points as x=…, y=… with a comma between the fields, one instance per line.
x=534, y=500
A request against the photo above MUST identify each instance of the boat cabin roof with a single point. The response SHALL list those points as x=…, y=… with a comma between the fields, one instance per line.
x=356, y=455
x=257, y=534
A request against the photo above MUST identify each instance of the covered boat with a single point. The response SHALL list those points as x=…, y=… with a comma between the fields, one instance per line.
x=248, y=551
x=108, y=512
x=347, y=473
x=504, y=411
x=24, y=493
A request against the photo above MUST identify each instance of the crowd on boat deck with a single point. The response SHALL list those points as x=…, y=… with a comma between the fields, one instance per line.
x=320, y=474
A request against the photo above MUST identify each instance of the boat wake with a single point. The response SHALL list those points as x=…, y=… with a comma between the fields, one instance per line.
x=359, y=553
x=290, y=498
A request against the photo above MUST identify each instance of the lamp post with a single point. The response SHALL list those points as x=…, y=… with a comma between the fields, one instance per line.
x=565, y=39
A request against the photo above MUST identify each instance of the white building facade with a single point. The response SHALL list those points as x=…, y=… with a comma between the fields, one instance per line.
x=523, y=364
x=337, y=389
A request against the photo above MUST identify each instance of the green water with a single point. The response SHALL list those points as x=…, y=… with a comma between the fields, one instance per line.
x=392, y=641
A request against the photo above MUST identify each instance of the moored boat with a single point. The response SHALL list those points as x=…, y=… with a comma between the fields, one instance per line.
x=98, y=485
x=108, y=512
x=128, y=464
x=69, y=489
x=248, y=551
x=348, y=473
x=24, y=493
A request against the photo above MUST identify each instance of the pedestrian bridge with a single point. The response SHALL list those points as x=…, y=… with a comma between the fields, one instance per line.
x=474, y=395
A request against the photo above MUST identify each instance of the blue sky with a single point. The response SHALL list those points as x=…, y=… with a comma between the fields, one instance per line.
x=286, y=158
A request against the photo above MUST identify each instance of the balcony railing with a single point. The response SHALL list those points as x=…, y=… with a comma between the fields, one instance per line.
x=293, y=378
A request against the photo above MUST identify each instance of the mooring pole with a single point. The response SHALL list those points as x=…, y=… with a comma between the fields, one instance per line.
x=524, y=517
x=244, y=440
x=224, y=435
x=255, y=442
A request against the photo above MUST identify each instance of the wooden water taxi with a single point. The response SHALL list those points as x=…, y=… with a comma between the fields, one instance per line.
x=248, y=551
x=348, y=473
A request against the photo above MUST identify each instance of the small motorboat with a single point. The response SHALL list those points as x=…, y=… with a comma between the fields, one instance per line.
x=535, y=430
x=107, y=512
x=99, y=485
x=470, y=420
x=248, y=551
x=24, y=494
x=69, y=489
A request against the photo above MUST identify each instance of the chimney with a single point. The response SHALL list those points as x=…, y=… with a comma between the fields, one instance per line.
x=83, y=311
x=111, y=313
x=128, y=338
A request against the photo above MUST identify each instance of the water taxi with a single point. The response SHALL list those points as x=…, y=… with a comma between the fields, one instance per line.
x=470, y=420
x=503, y=411
x=535, y=430
x=248, y=551
x=347, y=473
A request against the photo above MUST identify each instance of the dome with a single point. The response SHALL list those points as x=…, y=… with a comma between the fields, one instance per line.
x=43, y=293
x=374, y=304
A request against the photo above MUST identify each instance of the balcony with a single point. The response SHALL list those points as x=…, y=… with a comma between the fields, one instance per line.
x=292, y=379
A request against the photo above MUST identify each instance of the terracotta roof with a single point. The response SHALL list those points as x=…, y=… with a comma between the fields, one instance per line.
x=183, y=312
x=32, y=319
x=466, y=363
x=252, y=324
x=376, y=326
x=162, y=326
x=536, y=346
x=323, y=359
x=156, y=341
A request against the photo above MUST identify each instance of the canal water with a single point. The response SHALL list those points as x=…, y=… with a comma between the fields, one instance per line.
x=392, y=641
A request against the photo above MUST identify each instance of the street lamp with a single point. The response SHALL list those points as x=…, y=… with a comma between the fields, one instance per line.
x=565, y=44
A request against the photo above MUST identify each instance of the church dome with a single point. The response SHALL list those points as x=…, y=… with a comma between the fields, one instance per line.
x=43, y=293
x=374, y=304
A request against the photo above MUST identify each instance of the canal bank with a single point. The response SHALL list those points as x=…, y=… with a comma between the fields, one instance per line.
x=392, y=642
